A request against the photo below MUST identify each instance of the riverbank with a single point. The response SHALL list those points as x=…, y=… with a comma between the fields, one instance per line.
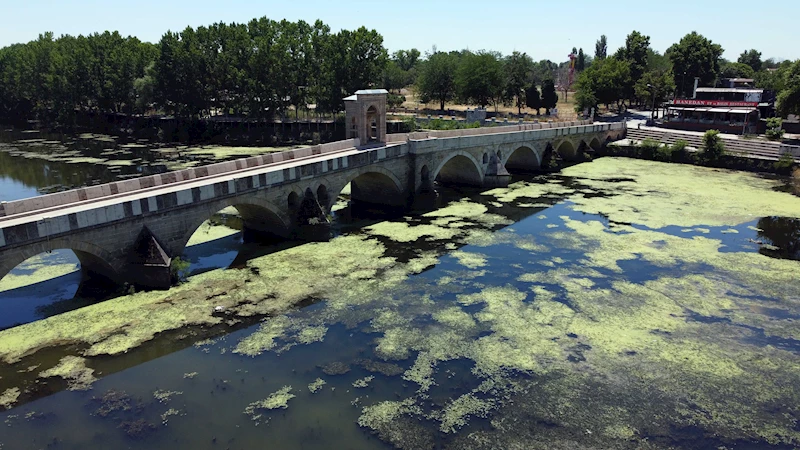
x=683, y=155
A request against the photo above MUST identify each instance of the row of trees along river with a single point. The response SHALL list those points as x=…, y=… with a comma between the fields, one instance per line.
x=636, y=73
x=266, y=69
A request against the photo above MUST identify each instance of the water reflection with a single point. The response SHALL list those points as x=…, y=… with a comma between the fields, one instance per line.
x=781, y=236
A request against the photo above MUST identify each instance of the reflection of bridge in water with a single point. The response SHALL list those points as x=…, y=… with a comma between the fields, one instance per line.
x=129, y=230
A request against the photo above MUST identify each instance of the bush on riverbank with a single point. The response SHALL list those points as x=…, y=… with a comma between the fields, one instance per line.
x=677, y=153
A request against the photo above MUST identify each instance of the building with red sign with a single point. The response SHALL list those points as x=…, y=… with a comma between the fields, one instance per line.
x=737, y=107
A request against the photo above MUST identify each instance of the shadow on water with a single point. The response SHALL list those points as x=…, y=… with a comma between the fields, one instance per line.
x=234, y=252
x=782, y=236
x=54, y=296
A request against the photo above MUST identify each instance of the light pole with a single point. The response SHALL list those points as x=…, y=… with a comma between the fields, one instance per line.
x=653, y=106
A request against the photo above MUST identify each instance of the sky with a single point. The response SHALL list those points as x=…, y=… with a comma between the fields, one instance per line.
x=544, y=30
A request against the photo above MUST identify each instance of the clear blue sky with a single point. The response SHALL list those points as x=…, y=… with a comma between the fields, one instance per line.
x=545, y=30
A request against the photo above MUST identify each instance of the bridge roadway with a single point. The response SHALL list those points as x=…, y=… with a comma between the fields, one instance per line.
x=128, y=231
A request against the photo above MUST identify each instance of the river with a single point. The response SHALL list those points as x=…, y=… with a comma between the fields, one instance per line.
x=618, y=303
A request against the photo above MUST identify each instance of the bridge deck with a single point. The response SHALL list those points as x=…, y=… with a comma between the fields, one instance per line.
x=60, y=210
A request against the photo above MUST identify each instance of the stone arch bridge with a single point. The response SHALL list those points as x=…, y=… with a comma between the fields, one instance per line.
x=128, y=231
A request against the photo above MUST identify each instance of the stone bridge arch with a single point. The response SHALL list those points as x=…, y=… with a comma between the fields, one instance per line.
x=595, y=143
x=522, y=158
x=93, y=258
x=368, y=184
x=459, y=168
x=566, y=148
x=257, y=214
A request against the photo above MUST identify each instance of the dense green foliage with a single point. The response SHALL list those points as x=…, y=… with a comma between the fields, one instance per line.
x=604, y=82
x=658, y=83
x=518, y=67
x=789, y=95
x=533, y=99
x=752, y=58
x=601, y=47
x=635, y=53
x=775, y=129
x=736, y=70
x=263, y=67
x=259, y=69
x=436, y=81
x=695, y=56
x=713, y=147
x=480, y=78
x=549, y=95
x=53, y=78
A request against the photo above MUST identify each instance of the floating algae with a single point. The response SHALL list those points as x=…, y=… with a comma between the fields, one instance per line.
x=316, y=385
x=72, y=369
x=312, y=334
x=455, y=415
x=362, y=383
x=679, y=195
x=620, y=338
x=9, y=397
x=276, y=400
x=403, y=232
x=470, y=260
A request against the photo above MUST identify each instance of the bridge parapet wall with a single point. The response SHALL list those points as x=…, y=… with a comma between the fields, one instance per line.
x=178, y=197
x=137, y=184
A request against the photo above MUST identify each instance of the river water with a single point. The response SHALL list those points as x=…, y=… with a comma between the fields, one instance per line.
x=616, y=304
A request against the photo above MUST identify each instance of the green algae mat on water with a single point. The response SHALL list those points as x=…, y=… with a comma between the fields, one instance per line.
x=618, y=304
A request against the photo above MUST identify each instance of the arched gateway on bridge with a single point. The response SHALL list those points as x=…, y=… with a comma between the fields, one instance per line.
x=130, y=230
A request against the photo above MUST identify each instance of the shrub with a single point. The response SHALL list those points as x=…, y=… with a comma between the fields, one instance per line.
x=680, y=146
x=775, y=129
x=663, y=153
x=713, y=147
x=649, y=144
x=410, y=125
x=179, y=269
x=395, y=100
x=784, y=164
x=442, y=124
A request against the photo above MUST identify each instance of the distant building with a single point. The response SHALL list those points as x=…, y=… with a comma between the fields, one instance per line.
x=735, y=107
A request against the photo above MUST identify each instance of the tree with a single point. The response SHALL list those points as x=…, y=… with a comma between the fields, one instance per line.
x=601, y=48
x=480, y=79
x=659, y=83
x=605, y=81
x=532, y=98
x=580, y=64
x=789, y=97
x=394, y=77
x=635, y=53
x=736, y=70
x=517, y=68
x=549, y=96
x=695, y=56
x=752, y=58
x=436, y=79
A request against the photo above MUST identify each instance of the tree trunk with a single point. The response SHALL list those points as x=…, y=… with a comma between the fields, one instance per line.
x=441, y=105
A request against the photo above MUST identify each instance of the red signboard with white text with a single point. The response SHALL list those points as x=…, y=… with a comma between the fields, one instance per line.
x=691, y=102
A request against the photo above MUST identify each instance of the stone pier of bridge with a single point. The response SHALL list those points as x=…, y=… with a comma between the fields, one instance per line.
x=129, y=231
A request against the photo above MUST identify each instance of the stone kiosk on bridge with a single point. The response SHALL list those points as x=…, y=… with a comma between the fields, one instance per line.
x=129, y=231
x=365, y=116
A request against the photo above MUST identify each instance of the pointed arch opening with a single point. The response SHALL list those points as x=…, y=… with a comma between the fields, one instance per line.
x=460, y=169
x=373, y=193
x=567, y=150
x=523, y=159
x=53, y=282
x=222, y=240
x=595, y=144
